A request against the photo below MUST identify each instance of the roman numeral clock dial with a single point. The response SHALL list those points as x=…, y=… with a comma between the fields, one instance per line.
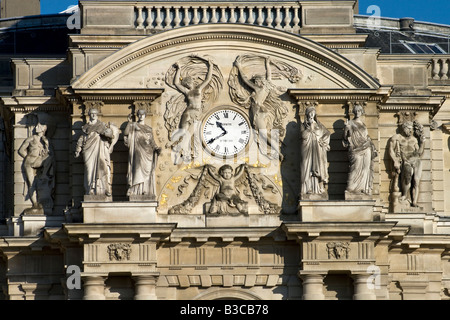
x=226, y=133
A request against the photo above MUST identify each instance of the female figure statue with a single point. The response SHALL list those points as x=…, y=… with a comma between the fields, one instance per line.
x=361, y=155
x=315, y=143
x=142, y=156
x=198, y=80
x=96, y=143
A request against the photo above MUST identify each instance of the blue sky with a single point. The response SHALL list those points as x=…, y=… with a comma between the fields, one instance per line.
x=437, y=11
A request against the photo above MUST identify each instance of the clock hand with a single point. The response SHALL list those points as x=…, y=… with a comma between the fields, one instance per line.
x=221, y=126
x=214, y=139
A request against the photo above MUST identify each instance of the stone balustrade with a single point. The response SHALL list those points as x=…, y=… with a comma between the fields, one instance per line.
x=440, y=68
x=284, y=16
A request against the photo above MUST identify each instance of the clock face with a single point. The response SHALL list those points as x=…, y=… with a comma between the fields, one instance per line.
x=226, y=133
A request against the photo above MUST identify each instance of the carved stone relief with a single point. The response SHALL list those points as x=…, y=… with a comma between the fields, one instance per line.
x=338, y=250
x=251, y=87
x=228, y=190
x=119, y=251
x=198, y=80
x=39, y=163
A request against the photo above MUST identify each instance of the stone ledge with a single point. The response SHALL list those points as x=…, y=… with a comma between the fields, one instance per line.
x=119, y=212
x=337, y=211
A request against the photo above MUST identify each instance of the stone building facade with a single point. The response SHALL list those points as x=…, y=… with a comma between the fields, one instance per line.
x=281, y=204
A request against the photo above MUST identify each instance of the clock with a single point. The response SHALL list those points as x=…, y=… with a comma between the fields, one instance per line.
x=225, y=133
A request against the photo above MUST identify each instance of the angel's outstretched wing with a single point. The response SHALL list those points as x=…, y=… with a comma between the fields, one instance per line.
x=174, y=110
x=241, y=176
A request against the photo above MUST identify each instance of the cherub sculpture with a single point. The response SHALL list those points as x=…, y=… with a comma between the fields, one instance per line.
x=226, y=200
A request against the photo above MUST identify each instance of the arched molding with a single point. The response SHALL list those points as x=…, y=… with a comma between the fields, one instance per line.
x=262, y=40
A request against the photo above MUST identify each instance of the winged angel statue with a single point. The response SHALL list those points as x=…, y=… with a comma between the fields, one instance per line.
x=259, y=94
x=226, y=198
x=198, y=80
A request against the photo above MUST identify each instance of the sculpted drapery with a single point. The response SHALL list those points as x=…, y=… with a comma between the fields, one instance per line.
x=315, y=143
x=142, y=157
x=361, y=154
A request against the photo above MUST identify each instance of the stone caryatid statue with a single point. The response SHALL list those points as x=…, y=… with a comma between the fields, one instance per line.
x=96, y=143
x=406, y=150
x=199, y=81
x=142, y=158
x=315, y=143
x=39, y=170
x=361, y=153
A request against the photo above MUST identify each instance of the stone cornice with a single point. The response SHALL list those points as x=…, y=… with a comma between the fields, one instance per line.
x=227, y=234
x=427, y=103
x=299, y=230
x=28, y=104
x=338, y=95
x=144, y=231
x=68, y=94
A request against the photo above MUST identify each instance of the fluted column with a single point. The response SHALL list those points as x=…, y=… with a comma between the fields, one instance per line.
x=312, y=286
x=94, y=288
x=363, y=288
x=145, y=287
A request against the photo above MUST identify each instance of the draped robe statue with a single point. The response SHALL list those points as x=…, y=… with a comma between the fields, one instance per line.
x=142, y=157
x=361, y=155
x=315, y=143
x=96, y=143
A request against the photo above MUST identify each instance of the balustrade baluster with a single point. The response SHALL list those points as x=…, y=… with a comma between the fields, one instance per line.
x=158, y=19
x=250, y=18
x=223, y=17
x=287, y=19
x=277, y=17
x=140, y=18
x=168, y=19
x=295, y=20
x=186, y=19
x=436, y=69
x=260, y=18
x=269, y=18
x=149, y=21
x=213, y=15
x=205, y=15
x=444, y=69
x=195, y=19
x=176, y=19
x=232, y=16
x=241, y=15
